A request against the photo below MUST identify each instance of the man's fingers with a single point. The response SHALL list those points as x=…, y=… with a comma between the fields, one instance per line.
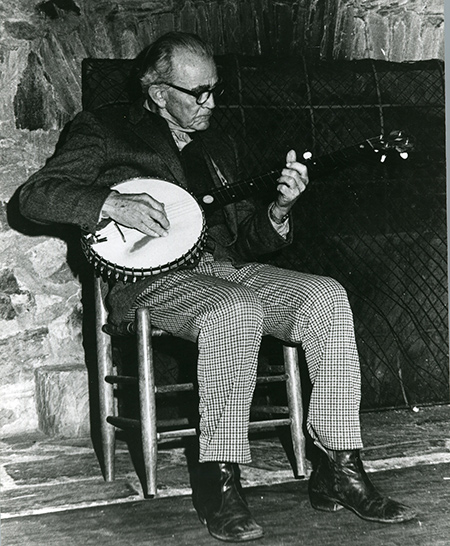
x=154, y=209
x=291, y=157
x=155, y=225
x=138, y=211
x=293, y=179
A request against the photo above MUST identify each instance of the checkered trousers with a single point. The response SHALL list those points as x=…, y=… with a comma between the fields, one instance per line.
x=227, y=310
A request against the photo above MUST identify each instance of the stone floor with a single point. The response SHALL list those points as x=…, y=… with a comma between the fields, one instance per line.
x=42, y=475
x=283, y=510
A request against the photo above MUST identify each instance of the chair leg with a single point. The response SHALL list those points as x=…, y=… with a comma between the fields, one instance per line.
x=147, y=398
x=106, y=391
x=294, y=396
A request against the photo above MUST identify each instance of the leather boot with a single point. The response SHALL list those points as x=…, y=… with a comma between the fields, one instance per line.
x=219, y=501
x=341, y=481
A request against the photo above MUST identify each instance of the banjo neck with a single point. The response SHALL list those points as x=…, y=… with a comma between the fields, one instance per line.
x=372, y=149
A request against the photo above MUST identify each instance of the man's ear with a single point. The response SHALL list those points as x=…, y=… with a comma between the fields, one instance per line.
x=158, y=95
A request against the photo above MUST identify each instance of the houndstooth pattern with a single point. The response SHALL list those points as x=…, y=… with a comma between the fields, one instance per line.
x=227, y=310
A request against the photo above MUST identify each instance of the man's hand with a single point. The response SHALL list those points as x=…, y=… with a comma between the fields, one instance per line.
x=292, y=182
x=138, y=211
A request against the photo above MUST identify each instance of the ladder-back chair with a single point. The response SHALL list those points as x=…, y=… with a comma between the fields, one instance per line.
x=151, y=431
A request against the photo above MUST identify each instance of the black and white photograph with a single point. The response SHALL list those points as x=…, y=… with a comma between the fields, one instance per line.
x=224, y=273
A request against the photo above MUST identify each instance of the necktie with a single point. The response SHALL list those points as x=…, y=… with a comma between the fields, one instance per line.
x=195, y=167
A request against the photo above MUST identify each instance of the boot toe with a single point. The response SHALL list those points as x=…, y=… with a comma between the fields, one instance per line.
x=343, y=481
x=239, y=529
x=396, y=512
x=383, y=510
x=220, y=504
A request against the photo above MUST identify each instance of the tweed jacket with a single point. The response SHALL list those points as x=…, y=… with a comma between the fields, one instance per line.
x=110, y=145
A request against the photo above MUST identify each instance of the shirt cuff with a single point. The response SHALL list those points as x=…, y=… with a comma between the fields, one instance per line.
x=283, y=228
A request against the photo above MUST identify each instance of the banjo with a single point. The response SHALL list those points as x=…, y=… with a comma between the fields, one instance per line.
x=128, y=255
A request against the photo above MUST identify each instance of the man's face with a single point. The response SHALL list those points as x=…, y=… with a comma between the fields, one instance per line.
x=194, y=73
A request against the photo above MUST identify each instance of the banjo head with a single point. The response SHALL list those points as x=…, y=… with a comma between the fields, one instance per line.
x=128, y=254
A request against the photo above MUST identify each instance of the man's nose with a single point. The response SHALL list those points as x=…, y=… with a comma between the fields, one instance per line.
x=210, y=103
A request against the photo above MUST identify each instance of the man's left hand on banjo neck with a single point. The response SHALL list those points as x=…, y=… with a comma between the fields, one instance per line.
x=291, y=184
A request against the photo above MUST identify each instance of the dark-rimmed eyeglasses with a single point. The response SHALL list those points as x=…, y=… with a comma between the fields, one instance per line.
x=202, y=95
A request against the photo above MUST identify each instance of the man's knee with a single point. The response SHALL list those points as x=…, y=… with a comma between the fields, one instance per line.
x=245, y=306
x=239, y=306
x=328, y=291
x=335, y=290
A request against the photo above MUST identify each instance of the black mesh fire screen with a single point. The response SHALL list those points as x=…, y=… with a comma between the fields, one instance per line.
x=379, y=227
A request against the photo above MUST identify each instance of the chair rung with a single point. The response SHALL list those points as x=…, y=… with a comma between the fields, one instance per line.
x=163, y=389
x=270, y=409
x=129, y=329
x=127, y=423
x=263, y=425
x=180, y=433
x=271, y=378
x=179, y=387
x=124, y=422
x=255, y=425
x=124, y=379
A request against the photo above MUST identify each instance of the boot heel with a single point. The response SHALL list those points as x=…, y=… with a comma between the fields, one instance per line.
x=325, y=504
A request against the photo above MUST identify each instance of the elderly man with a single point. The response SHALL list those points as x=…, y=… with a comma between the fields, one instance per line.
x=225, y=301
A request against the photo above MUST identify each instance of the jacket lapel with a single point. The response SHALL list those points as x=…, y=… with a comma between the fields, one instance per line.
x=154, y=131
x=211, y=152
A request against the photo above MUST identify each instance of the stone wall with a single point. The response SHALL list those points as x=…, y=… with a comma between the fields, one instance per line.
x=42, y=44
x=400, y=30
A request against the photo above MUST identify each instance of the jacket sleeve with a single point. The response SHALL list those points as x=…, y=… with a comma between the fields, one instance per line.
x=65, y=189
x=256, y=235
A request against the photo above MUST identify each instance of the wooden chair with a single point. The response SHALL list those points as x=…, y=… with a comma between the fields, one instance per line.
x=149, y=427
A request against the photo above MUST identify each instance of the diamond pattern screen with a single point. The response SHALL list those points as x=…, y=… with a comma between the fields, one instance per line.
x=379, y=227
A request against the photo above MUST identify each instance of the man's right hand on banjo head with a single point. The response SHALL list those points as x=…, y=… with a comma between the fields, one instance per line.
x=138, y=211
